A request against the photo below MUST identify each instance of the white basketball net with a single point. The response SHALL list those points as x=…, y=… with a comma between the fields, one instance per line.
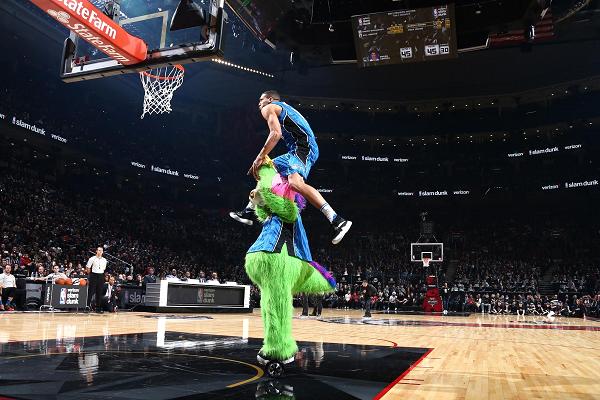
x=159, y=86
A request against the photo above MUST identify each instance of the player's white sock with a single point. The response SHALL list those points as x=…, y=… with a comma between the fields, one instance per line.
x=328, y=212
x=250, y=206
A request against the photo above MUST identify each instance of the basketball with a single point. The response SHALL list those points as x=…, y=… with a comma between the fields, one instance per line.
x=82, y=282
x=68, y=281
x=60, y=281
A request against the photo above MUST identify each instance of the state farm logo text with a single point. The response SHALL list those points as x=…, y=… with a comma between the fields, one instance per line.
x=87, y=14
x=61, y=16
x=82, y=30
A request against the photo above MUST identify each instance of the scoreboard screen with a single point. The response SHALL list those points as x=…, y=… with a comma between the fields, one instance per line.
x=404, y=36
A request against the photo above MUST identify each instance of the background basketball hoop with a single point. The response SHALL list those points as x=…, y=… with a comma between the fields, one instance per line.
x=426, y=253
x=159, y=85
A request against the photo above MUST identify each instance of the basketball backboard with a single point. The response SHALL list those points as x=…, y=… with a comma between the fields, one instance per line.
x=433, y=251
x=149, y=20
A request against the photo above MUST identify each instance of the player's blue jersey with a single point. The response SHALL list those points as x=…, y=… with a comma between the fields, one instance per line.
x=297, y=134
x=275, y=233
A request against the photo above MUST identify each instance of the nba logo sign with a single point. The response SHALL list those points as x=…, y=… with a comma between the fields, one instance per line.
x=63, y=296
x=406, y=52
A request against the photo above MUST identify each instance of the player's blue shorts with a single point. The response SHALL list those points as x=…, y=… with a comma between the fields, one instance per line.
x=289, y=163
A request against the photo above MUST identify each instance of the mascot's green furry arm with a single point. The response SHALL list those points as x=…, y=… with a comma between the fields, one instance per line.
x=279, y=262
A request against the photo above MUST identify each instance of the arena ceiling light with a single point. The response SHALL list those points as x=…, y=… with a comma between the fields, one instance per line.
x=242, y=68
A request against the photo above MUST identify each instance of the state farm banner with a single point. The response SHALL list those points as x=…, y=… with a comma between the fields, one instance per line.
x=91, y=24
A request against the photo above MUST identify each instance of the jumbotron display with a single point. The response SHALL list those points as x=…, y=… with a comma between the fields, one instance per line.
x=404, y=36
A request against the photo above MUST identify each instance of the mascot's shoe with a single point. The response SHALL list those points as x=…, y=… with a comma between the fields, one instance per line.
x=264, y=360
x=273, y=368
x=341, y=227
x=245, y=216
x=274, y=389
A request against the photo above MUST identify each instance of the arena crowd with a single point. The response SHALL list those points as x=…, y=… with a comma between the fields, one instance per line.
x=44, y=227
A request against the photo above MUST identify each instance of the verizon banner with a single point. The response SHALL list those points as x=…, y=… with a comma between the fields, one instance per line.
x=84, y=19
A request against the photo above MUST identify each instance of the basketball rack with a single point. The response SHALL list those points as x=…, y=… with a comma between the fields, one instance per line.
x=48, y=298
x=48, y=307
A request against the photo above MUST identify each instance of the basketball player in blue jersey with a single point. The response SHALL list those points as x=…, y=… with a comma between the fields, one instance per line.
x=284, y=121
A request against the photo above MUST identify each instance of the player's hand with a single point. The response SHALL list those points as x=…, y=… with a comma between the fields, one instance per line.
x=258, y=162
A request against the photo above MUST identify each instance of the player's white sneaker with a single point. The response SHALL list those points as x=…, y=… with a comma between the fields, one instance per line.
x=244, y=216
x=341, y=227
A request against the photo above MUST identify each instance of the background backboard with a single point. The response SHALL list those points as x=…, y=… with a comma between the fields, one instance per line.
x=436, y=250
x=149, y=20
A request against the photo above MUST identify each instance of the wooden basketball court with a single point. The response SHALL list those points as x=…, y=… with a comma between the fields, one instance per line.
x=475, y=357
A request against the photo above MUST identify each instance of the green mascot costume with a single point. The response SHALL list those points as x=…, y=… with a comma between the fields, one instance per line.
x=280, y=263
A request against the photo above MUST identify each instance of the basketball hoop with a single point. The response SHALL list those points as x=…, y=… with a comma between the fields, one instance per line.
x=159, y=86
x=426, y=261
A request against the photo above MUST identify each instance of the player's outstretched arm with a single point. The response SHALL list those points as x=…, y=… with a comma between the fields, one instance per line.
x=269, y=113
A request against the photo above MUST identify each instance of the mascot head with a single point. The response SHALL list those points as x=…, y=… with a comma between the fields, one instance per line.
x=273, y=196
